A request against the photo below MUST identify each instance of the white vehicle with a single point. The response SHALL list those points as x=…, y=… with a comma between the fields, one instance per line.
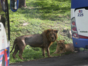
x=4, y=33
x=5, y=30
x=79, y=23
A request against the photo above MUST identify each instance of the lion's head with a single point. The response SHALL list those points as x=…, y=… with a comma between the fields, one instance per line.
x=51, y=34
x=61, y=44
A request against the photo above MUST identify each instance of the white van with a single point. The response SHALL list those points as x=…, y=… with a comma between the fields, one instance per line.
x=4, y=33
x=79, y=23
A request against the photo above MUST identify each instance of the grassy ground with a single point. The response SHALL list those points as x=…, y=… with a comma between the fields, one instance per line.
x=35, y=18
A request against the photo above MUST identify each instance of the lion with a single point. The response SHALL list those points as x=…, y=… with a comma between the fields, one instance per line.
x=62, y=47
x=44, y=41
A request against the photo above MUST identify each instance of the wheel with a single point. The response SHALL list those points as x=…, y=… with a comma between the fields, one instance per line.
x=77, y=49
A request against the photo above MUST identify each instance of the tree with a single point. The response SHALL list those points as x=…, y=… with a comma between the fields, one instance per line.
x=22, y=3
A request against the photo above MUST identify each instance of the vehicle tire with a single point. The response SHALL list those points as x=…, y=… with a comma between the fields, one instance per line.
x=77, y=50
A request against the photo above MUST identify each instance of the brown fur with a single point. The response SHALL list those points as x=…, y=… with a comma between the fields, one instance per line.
x=62, y=48
x=43, y=41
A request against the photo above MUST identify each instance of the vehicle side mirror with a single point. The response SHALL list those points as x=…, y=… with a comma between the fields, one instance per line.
x=14, y=5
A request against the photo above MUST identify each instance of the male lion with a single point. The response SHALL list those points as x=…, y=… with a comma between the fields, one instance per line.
x=62, y=48
x=43, y=41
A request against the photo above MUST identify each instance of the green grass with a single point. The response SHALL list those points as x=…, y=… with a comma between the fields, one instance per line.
x=39, y=16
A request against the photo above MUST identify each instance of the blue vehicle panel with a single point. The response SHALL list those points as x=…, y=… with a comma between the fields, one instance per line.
x=78, y=43
x=79, y=3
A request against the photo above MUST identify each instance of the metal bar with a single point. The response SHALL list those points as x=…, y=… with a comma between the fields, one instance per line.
x=8, y=20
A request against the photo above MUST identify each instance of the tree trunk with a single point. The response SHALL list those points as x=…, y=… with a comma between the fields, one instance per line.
x=22, y=3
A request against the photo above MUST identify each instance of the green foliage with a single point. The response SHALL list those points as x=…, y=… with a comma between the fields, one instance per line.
x=38, y=16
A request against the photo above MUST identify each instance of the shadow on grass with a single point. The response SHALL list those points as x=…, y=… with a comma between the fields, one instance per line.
x=45, y=12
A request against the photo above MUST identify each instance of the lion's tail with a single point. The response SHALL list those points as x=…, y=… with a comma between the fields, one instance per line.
x=13, y=46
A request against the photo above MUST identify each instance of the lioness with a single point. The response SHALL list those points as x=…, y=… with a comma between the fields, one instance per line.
x=43, y=41
x=62, y=48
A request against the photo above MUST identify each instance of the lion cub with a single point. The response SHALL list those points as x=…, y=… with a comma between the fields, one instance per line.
x=62, y=48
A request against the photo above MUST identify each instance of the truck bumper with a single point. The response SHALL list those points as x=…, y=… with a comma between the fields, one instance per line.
x=80, y=43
